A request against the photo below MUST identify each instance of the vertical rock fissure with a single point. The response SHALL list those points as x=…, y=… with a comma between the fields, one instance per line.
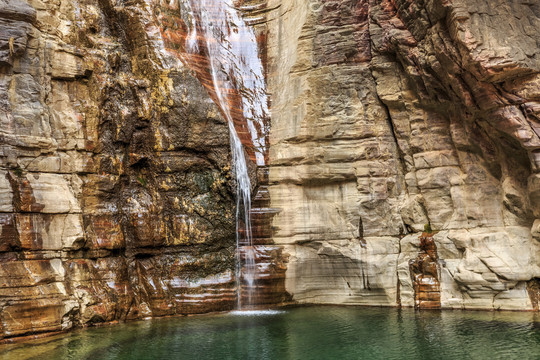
x=391, y=126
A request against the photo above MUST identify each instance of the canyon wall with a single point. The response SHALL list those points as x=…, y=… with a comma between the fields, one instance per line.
x=388, y=118
x=394, y=116
x=116, y=195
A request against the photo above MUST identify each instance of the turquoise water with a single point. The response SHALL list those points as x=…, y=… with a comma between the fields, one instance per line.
x=303, y=333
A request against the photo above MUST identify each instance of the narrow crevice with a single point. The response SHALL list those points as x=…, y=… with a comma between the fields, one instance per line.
x=391, y=126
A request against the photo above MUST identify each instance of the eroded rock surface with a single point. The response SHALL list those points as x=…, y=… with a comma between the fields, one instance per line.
x=116, y=196
x=390, y=115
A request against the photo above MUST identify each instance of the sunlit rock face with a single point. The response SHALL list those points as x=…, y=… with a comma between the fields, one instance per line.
x=389, y=115
x=117, y=192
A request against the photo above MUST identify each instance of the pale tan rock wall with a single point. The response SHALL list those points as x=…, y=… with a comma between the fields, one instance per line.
x=388, y=115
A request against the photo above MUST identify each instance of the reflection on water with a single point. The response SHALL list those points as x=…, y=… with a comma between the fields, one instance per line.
x=256, y=312
x=304, y=333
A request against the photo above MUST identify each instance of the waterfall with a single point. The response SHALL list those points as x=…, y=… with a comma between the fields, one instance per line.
x=245, y=264
x=220, y=41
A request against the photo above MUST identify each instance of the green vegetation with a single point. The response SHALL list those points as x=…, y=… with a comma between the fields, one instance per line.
x=18, y=171
x=142, y=180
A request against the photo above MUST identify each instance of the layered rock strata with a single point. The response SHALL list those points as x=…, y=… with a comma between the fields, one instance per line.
x=425, y=275
x=116, y=197
x=116, y=194
x=392, y=114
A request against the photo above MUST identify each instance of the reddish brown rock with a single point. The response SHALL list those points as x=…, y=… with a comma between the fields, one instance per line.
x=173, y=285
x=269, y=285
x=21, y=317
x=9, y=238
x=533, y=288
x=425, y=275
x=104, y=232
x=101, y=288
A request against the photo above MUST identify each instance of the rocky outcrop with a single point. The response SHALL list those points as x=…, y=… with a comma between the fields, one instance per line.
x=425, y=275
x=116, y=193
x=389, y=115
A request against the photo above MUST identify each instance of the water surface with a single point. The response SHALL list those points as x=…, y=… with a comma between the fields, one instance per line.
x=303, y=333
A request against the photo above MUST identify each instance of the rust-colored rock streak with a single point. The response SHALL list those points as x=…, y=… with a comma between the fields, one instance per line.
x=227, y=54
x=213, y=39
x=424, y=275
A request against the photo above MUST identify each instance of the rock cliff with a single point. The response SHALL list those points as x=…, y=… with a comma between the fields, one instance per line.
x=116, y=191
x=116, y=197
x=395, y=114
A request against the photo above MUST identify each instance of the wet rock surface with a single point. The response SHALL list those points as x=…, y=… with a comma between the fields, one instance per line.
x=116, y=197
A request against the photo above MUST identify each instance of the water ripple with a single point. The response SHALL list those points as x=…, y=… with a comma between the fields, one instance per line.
x=303, y=333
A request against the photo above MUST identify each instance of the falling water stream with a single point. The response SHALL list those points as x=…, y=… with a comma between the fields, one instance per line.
x=219, y=38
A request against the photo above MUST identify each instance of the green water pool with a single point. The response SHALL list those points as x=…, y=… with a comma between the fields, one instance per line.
x=319, y=332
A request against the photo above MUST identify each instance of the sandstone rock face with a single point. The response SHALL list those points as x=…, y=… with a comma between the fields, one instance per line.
x=389, y=115
x=225, y=46
x=116, y=193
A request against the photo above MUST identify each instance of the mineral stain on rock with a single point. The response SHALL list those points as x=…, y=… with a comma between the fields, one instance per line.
x=425, y=274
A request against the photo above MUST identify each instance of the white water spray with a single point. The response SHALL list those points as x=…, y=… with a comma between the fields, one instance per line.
x=218, y=31
x=247, y=268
